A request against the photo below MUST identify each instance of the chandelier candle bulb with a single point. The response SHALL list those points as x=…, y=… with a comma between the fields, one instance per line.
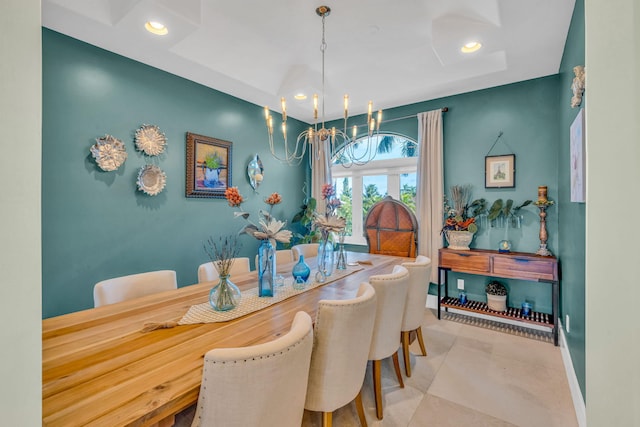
x=266, y=113
x=355, y=132
x=284, y=109
x=315, y=106
x=379, y=120
x=370, y=110
x=346, y=106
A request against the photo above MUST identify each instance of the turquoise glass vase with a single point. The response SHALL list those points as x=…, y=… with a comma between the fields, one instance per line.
x=300, y=272
x=266, y=268
x=225, y=295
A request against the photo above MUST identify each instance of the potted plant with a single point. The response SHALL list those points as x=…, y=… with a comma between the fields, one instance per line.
x=460, y=221
x=496, y=296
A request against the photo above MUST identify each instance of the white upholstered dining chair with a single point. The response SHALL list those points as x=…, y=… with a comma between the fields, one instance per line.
x=208, y=272
x=391, y=293
x=419, y=274
x=260, y=385
x=309, y=250
x=342, y=336
x=283, y=256
x=132, y=286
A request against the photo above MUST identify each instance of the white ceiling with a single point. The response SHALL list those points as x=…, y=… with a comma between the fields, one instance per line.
x=392, y=52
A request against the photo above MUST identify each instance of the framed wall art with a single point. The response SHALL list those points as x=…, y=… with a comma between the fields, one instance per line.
x=577, y=167
x=208, y=166
x=500, y=171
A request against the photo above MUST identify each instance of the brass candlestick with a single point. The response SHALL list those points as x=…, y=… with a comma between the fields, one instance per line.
x=542, y=205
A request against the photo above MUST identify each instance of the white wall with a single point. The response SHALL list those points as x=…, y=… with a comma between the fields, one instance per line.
x=20, y=236
x=613, y=202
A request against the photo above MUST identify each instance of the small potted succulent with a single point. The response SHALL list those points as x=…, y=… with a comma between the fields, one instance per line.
x=496, y=296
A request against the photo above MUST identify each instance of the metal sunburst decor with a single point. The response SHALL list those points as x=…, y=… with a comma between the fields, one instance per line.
x=150, y=140
x=109, y=153
x=151, y=180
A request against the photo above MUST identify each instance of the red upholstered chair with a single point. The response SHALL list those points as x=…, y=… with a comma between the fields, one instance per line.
x=391, y=229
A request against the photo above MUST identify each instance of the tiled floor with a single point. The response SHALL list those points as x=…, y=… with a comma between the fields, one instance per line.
x=472, y=376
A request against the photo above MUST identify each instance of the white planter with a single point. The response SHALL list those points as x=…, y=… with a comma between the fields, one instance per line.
x=459, y=240
x=497, y=302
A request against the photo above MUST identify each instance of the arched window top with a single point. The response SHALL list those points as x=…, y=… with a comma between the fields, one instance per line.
x=384, y=146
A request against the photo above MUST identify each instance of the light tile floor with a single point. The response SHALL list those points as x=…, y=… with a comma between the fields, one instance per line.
x=472, y=376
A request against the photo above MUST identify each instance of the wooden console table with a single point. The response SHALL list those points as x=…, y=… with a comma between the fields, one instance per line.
x=511, y=265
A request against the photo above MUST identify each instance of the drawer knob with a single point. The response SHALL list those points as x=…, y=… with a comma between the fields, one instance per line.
x=521, y=260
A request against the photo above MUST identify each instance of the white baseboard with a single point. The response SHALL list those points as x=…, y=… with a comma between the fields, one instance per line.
x=574, y=386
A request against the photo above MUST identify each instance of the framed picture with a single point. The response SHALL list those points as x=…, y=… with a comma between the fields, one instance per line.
x=577, y=167
x=500, y=171
x=208, y=166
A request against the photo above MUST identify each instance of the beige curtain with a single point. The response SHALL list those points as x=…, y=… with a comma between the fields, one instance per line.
x=430, y=191
x=320, y=172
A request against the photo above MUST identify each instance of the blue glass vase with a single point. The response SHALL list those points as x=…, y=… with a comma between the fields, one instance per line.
x=300, y=273
x=325, y=258
x=225, y=295
x=266, y=268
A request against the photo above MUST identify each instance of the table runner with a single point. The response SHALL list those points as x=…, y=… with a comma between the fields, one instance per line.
x=250, y=301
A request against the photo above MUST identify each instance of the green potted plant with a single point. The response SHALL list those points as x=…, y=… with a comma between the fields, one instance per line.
x=496, y=296
x=460, y=219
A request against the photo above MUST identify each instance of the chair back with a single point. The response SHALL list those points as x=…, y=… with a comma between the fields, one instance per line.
x=260, y=385
x=283, y=256
x=342, y=336
x=391, y=228
x=391, y=293
x=125, y=288
x=208, y=272
x=309, y=250
x=419, y=274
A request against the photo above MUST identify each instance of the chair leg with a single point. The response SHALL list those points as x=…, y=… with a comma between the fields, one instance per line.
x=327, y=419
x=377, y=388
x=396, y=365
x=405, y=351
x=421, y=341
x=360, y=409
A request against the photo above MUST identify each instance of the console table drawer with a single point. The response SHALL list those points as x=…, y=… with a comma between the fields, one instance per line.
x=466, y=262
x=525, y=268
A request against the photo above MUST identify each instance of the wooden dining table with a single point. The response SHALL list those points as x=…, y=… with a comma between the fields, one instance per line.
x=99, y=368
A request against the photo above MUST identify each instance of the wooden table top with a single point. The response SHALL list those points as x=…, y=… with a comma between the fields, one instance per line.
x=100, y=369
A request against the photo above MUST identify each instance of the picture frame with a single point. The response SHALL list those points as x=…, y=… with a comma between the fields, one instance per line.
x=577, y=158
x=208, y=168
x=500, y=171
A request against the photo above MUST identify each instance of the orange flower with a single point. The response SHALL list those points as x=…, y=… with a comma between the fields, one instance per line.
x=273, y=199
x=233, y=196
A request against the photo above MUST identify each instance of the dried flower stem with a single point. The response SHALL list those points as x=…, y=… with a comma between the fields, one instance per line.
x=222, y=253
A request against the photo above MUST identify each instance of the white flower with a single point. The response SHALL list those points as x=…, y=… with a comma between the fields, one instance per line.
x=330, y=223
x=271, y=230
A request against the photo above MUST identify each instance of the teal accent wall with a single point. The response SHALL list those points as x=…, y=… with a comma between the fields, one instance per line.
x=527, y=113
x=95, y=224
x=572, y=222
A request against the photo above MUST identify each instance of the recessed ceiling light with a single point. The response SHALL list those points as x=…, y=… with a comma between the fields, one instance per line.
x=470, y=47
x=300, y=96
x=156, y=28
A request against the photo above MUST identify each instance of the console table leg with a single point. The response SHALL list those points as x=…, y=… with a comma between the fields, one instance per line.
x=439, y=292
x=556, y=314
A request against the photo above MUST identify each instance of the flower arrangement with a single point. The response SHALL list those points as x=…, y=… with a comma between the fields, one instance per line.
x=225, y=296
x=268, y=227
x=457, y=217
x=329, y=221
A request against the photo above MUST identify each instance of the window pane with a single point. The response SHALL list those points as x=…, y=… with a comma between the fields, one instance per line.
x=344, y=192
x=374, y=189
x=408, y=190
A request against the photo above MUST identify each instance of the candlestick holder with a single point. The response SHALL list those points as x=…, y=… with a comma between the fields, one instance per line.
x=542, y=206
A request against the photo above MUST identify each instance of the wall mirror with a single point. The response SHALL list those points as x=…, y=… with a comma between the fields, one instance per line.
x=255, y=172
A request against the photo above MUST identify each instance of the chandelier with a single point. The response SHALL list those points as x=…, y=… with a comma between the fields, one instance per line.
x=330, y=143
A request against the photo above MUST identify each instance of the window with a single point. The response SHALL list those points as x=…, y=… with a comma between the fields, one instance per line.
x=392, y=172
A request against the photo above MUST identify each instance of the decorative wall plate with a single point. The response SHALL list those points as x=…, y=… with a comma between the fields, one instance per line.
x=150, y=140
x=109, y=153
x=151, y=180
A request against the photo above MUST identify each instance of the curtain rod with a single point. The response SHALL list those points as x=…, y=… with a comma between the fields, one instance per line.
x=415, y=116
